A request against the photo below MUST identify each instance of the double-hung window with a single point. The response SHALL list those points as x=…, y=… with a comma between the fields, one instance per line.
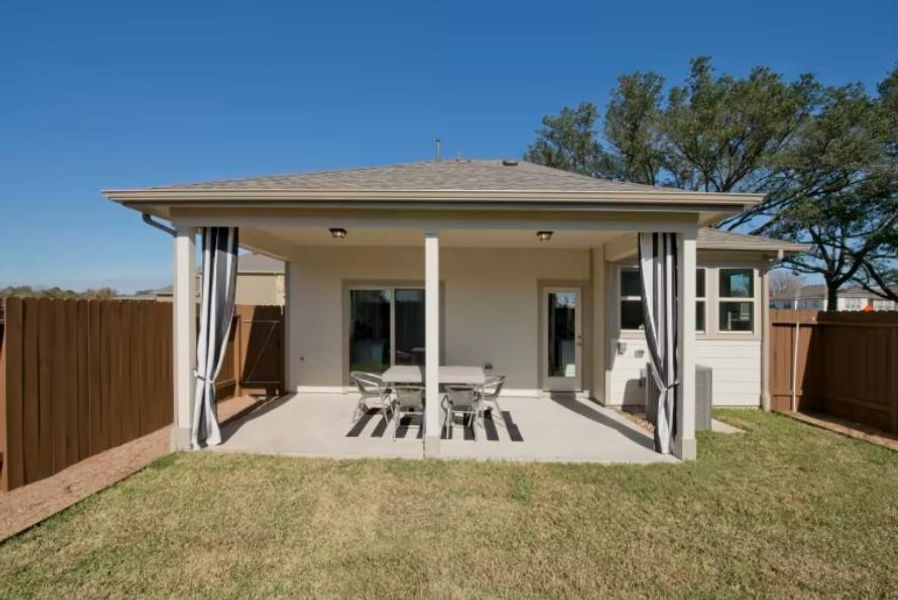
x=736, y=298
x=700, y=304
x=630, y=300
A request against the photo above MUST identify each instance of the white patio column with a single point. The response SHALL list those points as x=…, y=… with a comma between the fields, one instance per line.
x=432, y=342
x=183, y=333
x=684, y=442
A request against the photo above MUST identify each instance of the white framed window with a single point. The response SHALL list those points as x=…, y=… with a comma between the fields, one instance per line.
x=630, y=305
x=736, y=300
x=701, y=307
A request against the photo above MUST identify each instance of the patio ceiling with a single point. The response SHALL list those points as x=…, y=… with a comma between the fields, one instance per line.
x=271, y=239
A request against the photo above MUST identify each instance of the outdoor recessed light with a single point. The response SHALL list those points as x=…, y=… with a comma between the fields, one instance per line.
x=544, y=236
x=338, y=233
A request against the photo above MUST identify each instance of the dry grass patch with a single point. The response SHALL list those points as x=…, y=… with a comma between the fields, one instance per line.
x=782, y=510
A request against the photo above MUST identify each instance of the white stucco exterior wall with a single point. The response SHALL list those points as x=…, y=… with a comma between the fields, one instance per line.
x=491, y=305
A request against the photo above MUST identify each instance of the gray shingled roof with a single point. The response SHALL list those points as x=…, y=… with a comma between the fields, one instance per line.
x=711, y=238
x=456, y=175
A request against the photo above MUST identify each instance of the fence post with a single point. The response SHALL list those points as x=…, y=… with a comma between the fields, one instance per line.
x=794, y=404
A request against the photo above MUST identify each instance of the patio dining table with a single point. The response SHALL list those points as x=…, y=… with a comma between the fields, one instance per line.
x=414, y=375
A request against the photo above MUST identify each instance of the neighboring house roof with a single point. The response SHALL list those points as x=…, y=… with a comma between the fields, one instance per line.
x=247, y=264
x=710, y=238
x=513, y=181
x=258, y=264
x=819, y=291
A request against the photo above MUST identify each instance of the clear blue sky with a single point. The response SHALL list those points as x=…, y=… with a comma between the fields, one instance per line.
x=127, y=94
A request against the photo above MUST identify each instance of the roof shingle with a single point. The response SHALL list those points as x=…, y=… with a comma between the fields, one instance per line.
x=460, y=175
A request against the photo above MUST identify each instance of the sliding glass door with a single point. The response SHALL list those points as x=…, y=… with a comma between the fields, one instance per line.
x=409, y=327
x=386, y=327
x=370, y=345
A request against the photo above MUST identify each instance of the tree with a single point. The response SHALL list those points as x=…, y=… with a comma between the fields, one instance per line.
x=633, y=127
x=568, y=142
x=839, y=191
x=725, y=134
x=879, y=275
x=785, y=284
x=825, y=158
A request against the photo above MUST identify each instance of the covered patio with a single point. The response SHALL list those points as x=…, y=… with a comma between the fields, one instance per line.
x=555, y=428
x=502, y=266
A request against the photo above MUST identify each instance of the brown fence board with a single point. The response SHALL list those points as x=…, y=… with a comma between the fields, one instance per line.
x=82, y=352
x=846, y=367
x=80, y=376
x=44, y=464
x=13, y=470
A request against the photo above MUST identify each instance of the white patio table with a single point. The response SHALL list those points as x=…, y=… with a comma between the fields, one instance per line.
x=414, y=375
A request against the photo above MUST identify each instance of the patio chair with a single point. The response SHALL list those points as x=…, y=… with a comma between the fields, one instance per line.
x=407, y=400
x=371, y=387
x=462, y=400
x=489, y=394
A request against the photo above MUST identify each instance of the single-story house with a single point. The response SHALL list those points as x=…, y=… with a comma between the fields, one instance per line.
x=260, y=281
x=814, y=297
x=513, y=267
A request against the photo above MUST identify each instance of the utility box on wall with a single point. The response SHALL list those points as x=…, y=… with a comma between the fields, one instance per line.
x=703, y=396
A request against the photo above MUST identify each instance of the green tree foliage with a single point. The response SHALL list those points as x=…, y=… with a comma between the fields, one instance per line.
x=58, y=292
x=838, y=192
x=568, y=142
x=825, y=157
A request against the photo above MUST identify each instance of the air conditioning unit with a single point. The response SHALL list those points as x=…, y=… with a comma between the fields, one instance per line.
x=703, y=381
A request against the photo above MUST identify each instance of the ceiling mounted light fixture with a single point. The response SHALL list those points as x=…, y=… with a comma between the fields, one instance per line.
x=338, y=233
x=544, y=236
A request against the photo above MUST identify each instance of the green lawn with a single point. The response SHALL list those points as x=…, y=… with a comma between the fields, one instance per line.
x=783, y=510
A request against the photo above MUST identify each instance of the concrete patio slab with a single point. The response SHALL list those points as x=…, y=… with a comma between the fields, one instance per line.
x=554, y=429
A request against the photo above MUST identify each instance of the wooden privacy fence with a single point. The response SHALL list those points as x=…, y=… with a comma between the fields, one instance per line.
x=80, y=376
x=843, y=364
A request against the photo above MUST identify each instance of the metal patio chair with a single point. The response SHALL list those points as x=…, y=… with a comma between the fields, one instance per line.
x=462, y=400
x=407, y=400
x=371, y=387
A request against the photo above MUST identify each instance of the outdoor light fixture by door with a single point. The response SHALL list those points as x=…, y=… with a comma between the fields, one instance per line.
x=338, y=233
x=544, y=236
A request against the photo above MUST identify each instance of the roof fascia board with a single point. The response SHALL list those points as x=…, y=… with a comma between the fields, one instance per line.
x=668, y=197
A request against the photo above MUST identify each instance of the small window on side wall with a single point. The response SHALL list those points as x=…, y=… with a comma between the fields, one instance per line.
x=630, y=300
x=737, y=300
x=700, y=306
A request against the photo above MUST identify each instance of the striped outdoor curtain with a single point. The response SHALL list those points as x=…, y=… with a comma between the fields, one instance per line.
x=658, y=272
x=216, y=313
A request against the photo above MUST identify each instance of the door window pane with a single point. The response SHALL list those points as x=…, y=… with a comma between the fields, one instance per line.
x=736, y=316
x=409, y=327
x=700, y=316
x=562, y=323
x=369, y=338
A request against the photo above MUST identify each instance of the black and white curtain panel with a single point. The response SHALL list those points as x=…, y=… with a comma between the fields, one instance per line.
x=216, y=313
x=658, y=272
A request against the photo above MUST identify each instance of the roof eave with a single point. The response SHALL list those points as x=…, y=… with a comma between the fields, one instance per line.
x=523, y=197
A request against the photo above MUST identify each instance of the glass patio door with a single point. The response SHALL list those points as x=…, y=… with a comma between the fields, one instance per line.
x=562, y=339
x=386, y=327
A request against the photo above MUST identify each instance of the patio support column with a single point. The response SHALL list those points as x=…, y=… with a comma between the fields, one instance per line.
x=184, y=334
x=684, y=441
x=432, y=342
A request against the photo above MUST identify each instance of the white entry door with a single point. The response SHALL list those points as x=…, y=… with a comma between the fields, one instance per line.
x=562, y=339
